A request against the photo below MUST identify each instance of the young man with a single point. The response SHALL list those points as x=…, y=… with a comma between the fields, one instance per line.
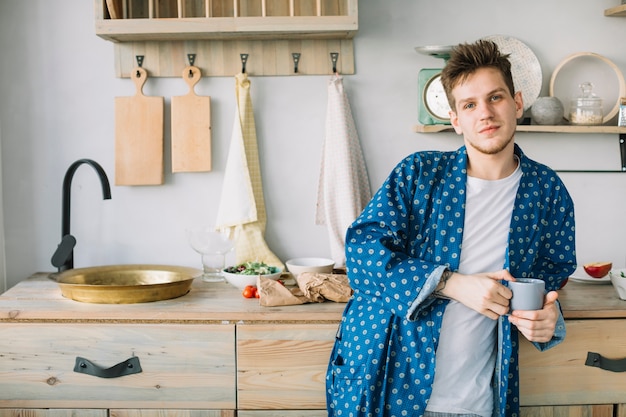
x=427, y=332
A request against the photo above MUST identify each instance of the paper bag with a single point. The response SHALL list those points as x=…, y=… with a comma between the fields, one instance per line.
x=320, y=287
x=273, y=293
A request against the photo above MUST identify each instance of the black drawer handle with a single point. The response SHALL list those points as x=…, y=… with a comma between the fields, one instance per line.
x=128, y=367
x=599, y=361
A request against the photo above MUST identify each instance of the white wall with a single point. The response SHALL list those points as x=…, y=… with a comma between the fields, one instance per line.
x=57, y=89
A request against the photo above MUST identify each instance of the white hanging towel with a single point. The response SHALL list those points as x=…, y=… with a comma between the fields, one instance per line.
x=343, y=188
x=241, y=213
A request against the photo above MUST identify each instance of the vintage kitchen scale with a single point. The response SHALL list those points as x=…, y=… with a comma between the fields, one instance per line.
x=433, y=107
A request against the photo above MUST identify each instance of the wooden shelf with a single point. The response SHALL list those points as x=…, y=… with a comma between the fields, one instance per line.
x=165, y=20
x=617, y=11
x=620, y=130
x=533, y=128
x=222, y=28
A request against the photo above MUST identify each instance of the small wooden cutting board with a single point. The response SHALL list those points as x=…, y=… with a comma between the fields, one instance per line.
x=191, y=128
x=139, y=136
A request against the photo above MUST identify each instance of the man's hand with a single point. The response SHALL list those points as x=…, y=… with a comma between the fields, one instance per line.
x=538, y=325
x=481, y=292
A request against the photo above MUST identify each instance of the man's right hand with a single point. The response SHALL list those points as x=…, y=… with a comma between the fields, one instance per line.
x=481, y=292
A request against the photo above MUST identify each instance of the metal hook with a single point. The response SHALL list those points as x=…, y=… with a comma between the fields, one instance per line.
x=334, y=57
x=192, y=59
x=139, y=59
x=244, y=60
x=296, y=60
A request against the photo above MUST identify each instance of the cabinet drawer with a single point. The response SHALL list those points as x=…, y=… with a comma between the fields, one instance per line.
x=283, y=367
x=559, y=375
x=183, y=365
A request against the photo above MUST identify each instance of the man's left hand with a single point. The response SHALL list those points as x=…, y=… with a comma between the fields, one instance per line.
x=538, y=325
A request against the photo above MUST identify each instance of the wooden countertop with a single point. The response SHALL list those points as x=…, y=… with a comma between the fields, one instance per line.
x=39, y=299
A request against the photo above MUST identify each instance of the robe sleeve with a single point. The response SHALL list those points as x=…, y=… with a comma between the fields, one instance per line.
x=385, y=258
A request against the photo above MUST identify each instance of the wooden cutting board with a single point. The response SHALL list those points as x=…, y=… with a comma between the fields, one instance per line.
x=139, y=136
x=114, y=8
x=191, y=127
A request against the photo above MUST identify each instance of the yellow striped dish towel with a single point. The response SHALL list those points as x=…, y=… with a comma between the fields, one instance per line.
x=241, y=213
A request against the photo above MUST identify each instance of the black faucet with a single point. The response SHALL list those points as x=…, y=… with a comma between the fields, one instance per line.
x=63, y=257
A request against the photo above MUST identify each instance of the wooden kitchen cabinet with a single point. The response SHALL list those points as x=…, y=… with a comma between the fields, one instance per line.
x=283, y=366
x=217, y=32
x=213, y=353
x=557, y=383
x=559, y=375
x=210, y=353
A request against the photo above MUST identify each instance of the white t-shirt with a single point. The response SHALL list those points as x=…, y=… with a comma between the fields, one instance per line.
x=466, y=352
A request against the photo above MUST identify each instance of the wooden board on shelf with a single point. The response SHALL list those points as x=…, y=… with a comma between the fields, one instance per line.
x=617, y=11
x=115, y=9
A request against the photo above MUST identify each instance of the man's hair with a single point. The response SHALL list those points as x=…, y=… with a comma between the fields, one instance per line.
x=466, y=59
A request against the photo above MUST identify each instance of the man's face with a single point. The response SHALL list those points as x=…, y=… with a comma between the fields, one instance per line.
x=486, y=114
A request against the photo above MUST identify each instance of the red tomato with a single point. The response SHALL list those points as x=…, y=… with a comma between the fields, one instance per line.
x=249, y=291
x=257, y=293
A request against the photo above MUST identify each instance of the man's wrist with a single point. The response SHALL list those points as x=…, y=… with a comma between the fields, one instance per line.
x=443, y=281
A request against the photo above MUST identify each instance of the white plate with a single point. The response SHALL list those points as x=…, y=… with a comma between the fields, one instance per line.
x=581, y=276
x=607, y=79
x=525, y=67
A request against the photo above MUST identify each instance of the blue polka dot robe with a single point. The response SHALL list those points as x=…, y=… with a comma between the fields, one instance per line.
x=383, y=360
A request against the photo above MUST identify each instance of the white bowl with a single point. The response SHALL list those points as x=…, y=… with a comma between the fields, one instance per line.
x=241, y=280
x=320, y=265
x=618, y=279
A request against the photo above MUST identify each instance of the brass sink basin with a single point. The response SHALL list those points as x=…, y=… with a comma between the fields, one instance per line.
x=125, y=284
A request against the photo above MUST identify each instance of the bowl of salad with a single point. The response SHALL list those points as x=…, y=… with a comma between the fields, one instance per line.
x=247, y=273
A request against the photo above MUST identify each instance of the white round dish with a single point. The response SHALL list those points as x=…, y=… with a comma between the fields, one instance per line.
x=525, y=67
x=437, y=51
x=581, y=276
x=319, y=265
x=607, y=79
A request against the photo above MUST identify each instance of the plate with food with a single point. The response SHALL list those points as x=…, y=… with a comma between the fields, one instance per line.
x=246, y=273
x=582, y=273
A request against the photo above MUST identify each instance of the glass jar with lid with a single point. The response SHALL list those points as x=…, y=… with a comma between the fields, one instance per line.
x=586, y=109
